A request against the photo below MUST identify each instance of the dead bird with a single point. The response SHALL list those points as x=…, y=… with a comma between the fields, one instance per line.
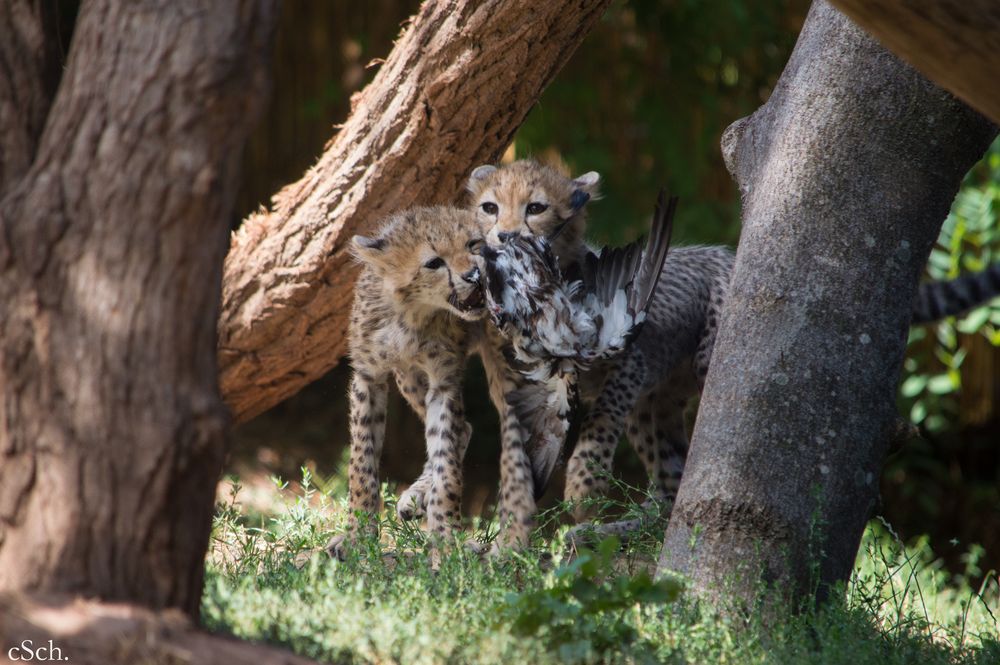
x=559, y=325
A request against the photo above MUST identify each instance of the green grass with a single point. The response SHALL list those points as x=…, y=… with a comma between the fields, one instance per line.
x=266, y=581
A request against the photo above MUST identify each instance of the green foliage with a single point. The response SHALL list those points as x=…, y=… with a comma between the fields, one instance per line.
x=386, y=603
x=907, y=589
x=581, y=609
x=645, y=100
x=969, y=242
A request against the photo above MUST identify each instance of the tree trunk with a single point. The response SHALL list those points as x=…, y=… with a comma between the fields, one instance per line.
x=111, y=248
x=955, y=43
x=846, y=174
x=455, y=88
x=30, y=72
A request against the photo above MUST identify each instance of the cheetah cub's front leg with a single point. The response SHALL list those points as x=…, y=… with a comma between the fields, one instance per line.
x=412, y=503
x=444, y=429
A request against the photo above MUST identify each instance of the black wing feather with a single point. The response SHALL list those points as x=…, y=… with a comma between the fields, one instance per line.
x=654, y=254
x=636, y=267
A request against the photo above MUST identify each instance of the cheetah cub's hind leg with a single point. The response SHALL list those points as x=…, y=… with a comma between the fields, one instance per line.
x=589, y=466
x=656, y=431
x=412, y=503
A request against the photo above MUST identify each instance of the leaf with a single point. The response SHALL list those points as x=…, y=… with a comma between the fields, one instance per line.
x=975, y=320
x=914, y=385
x=942, y=384
x=609, y=547
x=936, y=422
x=958, y=359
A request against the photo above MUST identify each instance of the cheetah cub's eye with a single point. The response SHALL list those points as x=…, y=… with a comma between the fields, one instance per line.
x=490, y=208
x=474, y=245
x=536, y=208
x=434, y=263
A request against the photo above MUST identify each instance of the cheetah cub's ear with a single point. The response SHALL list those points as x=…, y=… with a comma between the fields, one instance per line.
x=586, y=187
x=479, y=174
x=368, y=250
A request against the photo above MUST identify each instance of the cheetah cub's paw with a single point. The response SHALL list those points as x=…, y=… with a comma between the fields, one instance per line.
x=338, y=546
x=479, y=549
x=412, y=503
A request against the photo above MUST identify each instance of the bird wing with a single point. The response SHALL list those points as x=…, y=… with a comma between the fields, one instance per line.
x=654, y=255
x=543, y=410
x=618, y=285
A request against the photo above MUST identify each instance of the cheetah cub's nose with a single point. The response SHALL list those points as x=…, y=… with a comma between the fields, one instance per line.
x=504, y=236
x=472, y=277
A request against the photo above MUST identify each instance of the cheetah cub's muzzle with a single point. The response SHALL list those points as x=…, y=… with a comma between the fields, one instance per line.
x=467, y=297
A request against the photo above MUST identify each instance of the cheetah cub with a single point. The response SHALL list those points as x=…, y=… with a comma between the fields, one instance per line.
x=644, y=390
x=529, y=198
x=418, y=289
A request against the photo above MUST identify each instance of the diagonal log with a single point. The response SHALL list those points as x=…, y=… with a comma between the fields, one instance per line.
x=457, y=85
x=955, y=43
x=846, y=174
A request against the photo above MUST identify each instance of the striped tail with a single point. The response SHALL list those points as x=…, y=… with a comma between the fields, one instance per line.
x=936, y=300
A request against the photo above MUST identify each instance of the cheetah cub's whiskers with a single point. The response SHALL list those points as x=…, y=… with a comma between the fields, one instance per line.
x=418, y=291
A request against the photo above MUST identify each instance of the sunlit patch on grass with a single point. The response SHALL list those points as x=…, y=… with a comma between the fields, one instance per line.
x=269, y=579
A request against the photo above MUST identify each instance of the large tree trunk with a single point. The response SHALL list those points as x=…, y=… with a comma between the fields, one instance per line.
x=111, y=248
x=956, y=43
x=450, y=96
x=29, y=72
x=846, y=174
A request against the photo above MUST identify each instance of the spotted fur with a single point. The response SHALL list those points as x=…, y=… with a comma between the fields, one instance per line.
x=645, y=390
x=526, y=197
x=416, y=301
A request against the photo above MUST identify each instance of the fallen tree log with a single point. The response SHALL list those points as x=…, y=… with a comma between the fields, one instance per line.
x=955, y=43
x=456, y=86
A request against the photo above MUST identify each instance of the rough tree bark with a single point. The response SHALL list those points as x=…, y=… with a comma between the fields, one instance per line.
x=111, y=248
x=955, y=43
x=846, y=174
x=29, y=72
x=450, y=96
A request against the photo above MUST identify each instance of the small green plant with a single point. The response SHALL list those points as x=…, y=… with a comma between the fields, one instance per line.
x=580, y=609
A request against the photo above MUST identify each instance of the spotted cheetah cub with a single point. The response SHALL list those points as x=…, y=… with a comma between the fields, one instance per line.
x=530, y=198
x=418, y=288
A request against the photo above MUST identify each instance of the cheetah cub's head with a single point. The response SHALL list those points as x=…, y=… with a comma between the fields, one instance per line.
x=427, y=258
x=532, y=199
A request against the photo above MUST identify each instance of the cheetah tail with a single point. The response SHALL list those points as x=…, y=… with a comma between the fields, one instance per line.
x=936, y=300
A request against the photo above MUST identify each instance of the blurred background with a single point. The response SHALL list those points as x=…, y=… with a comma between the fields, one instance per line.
x=644, y=102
